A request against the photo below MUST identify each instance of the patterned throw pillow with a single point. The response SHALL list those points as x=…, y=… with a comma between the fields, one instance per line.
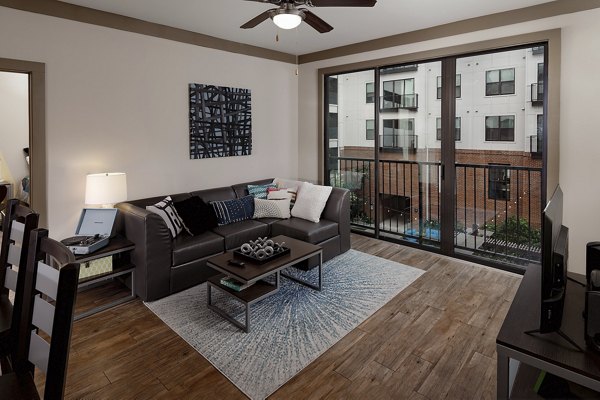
x=234, y=210
x=167, y=212
x=271, y=208
x=260, y=191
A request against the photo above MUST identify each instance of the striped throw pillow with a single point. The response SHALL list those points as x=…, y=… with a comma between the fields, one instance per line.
x=167, y=212
x=234, y=210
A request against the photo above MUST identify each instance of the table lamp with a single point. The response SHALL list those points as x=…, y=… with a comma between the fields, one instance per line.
x=105, y=189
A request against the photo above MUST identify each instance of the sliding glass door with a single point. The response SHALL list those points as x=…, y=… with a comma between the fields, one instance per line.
x=351, y=137
x=408, y=187
x=444, y=154
x=499, y=156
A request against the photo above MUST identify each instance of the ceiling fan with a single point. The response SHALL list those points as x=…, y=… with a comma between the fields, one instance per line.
x=288, y=16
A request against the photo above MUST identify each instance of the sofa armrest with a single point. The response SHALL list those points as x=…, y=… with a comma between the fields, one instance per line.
x=337, y=209
x=152, y=255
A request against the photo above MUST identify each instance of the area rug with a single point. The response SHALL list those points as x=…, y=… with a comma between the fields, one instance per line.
x=289, y=329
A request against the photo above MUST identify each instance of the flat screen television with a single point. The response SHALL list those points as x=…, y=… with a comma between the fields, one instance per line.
x=555, y=243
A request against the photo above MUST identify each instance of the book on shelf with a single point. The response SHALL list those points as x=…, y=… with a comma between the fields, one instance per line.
x=233, y=284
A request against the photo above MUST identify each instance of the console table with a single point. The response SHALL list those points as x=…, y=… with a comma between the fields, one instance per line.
x=548, y=352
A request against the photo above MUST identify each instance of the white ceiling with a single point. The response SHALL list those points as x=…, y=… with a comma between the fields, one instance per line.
x=222, y=19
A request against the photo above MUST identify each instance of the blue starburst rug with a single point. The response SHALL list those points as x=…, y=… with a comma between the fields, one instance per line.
x=289, y=329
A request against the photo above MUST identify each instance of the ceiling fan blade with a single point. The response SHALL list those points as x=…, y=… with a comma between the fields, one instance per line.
x=266, y=1
x=257, y=20
x=316, y=22
x=343, y=3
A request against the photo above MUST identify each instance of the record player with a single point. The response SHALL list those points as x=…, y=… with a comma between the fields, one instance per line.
x=93, y=230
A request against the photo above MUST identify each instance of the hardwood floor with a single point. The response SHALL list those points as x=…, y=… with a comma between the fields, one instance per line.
x=435, y=340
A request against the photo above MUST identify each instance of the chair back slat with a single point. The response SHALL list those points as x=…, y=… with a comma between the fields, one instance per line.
x=47, y=280
x=39, y=352
x=10, y=281
x=17, y=231
x=14, y=254
x=56, y=320
x=43, y=314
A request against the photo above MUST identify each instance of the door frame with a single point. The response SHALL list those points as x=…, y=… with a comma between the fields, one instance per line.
x=448, y=55
x=37, y=131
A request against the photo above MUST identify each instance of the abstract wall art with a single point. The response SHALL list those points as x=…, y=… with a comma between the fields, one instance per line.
x=220, y=121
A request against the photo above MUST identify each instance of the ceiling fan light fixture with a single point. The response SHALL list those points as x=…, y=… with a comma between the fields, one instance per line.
x=288, y=19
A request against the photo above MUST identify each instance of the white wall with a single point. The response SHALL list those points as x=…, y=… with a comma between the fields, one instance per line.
x=14, y=127
x=118, y=101
x=579, y=141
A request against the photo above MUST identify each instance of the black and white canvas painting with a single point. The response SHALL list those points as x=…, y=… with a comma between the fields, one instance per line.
x=220, y=121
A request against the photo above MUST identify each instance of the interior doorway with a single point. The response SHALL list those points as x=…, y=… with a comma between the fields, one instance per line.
x=13, y=165
x=14, y=135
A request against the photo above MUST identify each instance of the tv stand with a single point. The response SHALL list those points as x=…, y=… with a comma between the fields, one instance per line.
x=515, y=344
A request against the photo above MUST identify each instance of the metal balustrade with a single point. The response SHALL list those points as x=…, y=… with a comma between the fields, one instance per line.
x=497, y=212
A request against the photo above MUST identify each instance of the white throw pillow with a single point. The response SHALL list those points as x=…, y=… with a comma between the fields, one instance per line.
x=271, y=208
x=311, y=201
x=282, y=194
x=167, y=212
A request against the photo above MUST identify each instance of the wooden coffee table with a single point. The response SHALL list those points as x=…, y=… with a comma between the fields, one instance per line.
x=254, y=273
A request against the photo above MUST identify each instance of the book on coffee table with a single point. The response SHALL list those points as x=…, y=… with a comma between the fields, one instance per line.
x=233, y=284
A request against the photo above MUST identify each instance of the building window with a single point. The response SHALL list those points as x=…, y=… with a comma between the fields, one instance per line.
x=398, y=133
x=332, y=125
x=540, y=81
x=500, y=81
x=332, y=90
x=399, y=94
x=439, y=87
x=399, y=68
x=499, y=182
x=500, y=128
x=370, y=92
x=537, y=50
x=438, y=131
x=370, y=130
x=540, y=125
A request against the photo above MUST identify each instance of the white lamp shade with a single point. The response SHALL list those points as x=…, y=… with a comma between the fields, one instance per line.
x=106, y=188
x=287, y=21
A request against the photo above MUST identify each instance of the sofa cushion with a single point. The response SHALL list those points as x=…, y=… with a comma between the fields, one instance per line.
x=311, y=232
x=311, y=201
x=188, y=248
x=168, y=213
x=260, y=191
x=197, y=216
x=233, y=210
x=240, y=232
x=241, y=189
x=208, y=195
x=271, y=208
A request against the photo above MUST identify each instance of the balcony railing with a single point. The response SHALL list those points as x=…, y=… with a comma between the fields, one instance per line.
x=399, y=143
x=394, y=102
x=497, y=213
x=537, y=94
x=535, y=146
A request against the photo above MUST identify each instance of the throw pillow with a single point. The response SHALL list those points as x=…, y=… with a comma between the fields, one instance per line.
x=311, y=201
x=271, y=208
x=168, y=213
x=234, y=210
x=278, y=194
x=260, y=191
x=197, y=216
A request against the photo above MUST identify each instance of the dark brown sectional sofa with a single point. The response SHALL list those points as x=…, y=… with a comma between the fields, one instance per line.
x=165, y=265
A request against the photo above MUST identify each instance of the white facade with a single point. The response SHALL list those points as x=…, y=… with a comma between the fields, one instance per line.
x=472, y=107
